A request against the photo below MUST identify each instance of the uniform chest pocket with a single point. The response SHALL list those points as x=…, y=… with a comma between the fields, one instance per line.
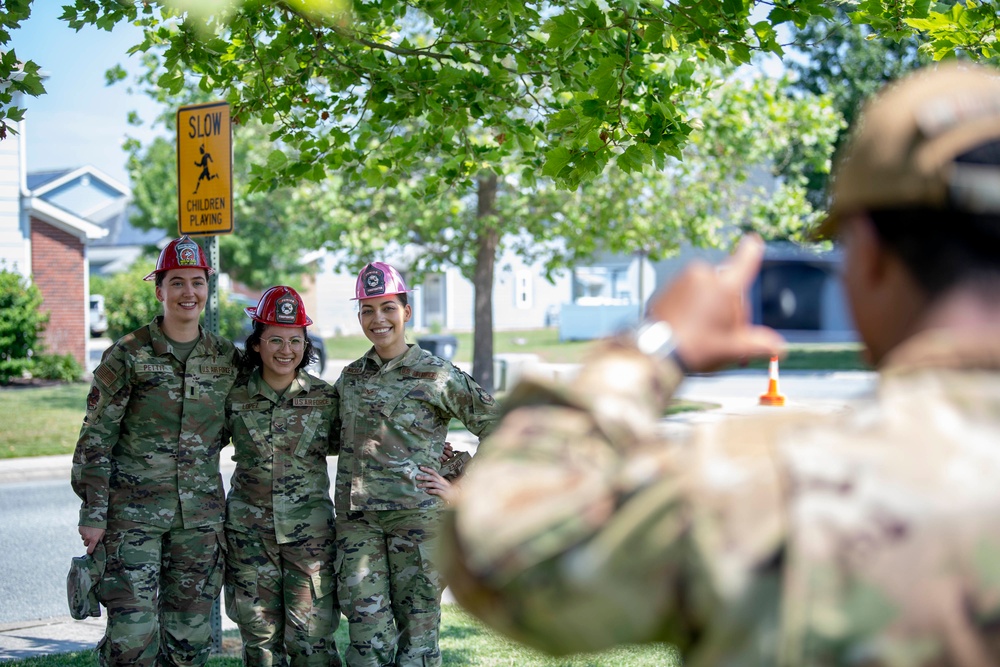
x=354, y=395
x=412, y=411
x=254, y=443
x=315, y=433
x=151, y=378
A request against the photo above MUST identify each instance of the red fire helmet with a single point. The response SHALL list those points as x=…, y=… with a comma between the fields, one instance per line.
x=378, y=279
x=281, y=306
x=182, y=253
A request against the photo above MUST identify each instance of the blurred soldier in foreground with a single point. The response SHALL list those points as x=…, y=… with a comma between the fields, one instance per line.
x=862, y=538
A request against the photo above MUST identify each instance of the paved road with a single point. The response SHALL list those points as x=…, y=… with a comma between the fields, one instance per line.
x=38, y=531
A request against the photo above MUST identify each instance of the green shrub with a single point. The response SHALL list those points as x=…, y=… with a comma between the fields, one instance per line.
x=21, y=323
x=130, y=302
x=233, y=322
x=63, y=367
x=11, y=369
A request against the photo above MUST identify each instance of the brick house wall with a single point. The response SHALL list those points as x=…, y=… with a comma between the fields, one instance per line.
x=57, y=261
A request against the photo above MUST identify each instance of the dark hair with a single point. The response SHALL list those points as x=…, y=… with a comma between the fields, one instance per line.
x=251, y=360
x=162, y=274
x=947, y=248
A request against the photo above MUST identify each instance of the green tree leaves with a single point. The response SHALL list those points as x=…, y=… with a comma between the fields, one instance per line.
x=18, y=77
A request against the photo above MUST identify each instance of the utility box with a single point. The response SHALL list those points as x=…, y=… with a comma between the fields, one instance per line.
x=440, y=345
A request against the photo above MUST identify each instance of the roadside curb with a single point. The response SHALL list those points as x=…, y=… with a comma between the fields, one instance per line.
x=31, y=639
x=34, y=468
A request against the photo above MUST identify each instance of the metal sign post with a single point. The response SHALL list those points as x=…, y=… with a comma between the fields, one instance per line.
x=212, y=313
x=205, y=208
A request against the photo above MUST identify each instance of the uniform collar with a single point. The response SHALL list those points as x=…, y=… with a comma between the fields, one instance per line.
x=408, y=358
x=257, y=387
x=158, y=339
x=161, y=345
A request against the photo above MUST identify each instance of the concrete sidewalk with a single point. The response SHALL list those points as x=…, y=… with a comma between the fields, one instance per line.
x=31, y=639
x=36, y=468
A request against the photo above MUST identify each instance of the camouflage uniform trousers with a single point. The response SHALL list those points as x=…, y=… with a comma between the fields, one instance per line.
x=159, y=585
x=390, y=587
x=283, y=598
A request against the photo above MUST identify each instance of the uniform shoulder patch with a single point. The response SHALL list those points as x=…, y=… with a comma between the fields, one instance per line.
x=93, y=398
x=485, y=396
x=105, y=374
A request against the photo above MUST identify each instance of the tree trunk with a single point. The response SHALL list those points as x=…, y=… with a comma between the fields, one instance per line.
x=486, y=257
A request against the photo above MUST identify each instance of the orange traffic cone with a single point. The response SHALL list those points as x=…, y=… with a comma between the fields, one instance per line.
x=772, y=397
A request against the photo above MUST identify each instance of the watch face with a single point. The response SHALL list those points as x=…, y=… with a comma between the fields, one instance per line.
x=655, y=339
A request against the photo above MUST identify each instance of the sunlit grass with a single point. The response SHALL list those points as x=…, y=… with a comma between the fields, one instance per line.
x=38, y=421
x=464, y=641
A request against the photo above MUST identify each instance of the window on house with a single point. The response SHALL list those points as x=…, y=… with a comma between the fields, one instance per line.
x=434, y=300
x=523, y=293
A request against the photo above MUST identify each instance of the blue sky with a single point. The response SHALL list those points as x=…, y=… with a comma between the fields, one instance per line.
x=80, y=120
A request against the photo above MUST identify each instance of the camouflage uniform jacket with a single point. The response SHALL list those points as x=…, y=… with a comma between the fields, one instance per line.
x=866, y=537
x=395, y=418
x=281, y=486
x=149, y=445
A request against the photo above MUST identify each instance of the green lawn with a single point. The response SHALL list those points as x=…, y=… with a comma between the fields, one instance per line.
x=464, y=641
x=543, y=342
x=37, y=421
x=820, y=356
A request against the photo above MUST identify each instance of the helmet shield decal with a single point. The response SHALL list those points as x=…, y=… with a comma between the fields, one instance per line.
x=187, y=253
x=286, y=310
x=373, y=281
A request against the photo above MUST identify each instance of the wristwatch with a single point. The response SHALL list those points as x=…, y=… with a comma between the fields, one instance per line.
x=656, y=339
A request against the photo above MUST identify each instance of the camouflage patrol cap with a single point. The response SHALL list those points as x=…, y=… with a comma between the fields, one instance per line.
x=903, y=149
x=85, y=574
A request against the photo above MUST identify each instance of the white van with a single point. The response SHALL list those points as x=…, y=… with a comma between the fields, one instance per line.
x=98, y=317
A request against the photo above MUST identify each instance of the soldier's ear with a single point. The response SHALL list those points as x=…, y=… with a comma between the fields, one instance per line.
x=870, y=252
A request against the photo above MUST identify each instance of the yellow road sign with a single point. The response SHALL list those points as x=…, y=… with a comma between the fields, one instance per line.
x=204, y=169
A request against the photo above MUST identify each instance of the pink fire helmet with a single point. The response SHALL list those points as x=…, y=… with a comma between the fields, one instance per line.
x=378, y=279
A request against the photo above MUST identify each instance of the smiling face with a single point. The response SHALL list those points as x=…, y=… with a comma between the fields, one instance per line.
x=183, y=293
x=383, y=319
x=281, y=350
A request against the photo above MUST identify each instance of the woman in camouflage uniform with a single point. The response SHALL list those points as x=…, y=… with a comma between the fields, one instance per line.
x=280, y=581
x=395, y=403
x=146, y=467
